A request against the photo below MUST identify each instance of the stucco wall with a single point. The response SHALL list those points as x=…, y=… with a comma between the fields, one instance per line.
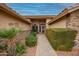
x=7, y=21
x=59, y=24
x=48, y=20
x=73, y=23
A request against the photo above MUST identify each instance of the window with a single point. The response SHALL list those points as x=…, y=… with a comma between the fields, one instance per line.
x=35, y=28
x=67, y=20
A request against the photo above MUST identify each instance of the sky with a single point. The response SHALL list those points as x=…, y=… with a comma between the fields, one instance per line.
x=38, y=8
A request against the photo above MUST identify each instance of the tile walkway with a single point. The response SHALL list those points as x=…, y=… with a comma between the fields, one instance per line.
x=43, y=47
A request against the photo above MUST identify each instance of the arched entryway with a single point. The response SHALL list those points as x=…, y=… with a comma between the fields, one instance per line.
x=40, y=28
x=38, y=25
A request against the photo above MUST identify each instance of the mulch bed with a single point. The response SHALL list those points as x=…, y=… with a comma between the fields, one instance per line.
x=3, y=53
x=30, y=51
x=74, y=52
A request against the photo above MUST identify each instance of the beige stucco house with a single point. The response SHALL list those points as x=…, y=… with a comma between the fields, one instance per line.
x=68, y=18
x=9, y=18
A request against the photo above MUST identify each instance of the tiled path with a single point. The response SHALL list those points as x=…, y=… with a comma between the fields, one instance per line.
x=43, y=47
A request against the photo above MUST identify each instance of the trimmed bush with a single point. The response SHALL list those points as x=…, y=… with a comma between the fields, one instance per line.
x=8, y=33
x=20, y=48
x=61, y=38
x=31, y=40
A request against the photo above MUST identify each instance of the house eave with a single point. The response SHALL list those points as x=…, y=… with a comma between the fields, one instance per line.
x=65, y=12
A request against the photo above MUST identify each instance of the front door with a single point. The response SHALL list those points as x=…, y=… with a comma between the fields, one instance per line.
x=41, y=28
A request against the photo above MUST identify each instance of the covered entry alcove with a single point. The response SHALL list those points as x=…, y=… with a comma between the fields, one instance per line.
x=38, y=25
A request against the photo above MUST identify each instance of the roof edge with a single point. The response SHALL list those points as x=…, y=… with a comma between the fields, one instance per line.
x=65, y=12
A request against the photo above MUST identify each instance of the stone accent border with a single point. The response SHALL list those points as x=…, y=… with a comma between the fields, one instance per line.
x=68, y=53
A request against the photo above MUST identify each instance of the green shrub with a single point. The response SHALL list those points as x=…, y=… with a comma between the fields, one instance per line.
x=33, y=33
x=20, y=48
x=31, y=40
x=61, y=38
x=2, y=47
x=8, y=33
